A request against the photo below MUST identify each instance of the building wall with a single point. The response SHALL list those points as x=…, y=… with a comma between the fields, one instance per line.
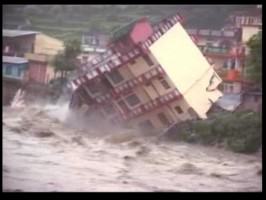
x=150, y=91
x=248, y=32
x=142, y=95
x=184, y=106
x=37, y=71
x=168, y=111
x=126, y=73
x=159, y=87
x=187, y=68
x=47, y=45
x=140, y=66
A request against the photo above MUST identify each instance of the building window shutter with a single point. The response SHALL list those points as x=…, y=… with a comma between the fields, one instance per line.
x=148, y=60
x=178, y=109
x=165, y=84
x=116, y=77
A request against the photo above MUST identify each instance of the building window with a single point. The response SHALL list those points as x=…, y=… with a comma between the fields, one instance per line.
x=115, y=76
x=133, y=100
x=8, y=70
x=146, y=125
x=148, y=60
x=132, y=62
x=231, y=87
x=163, y=119
x=148, y=84
x=93, y=89
x=122, y=105
x=178, y=110
x=225, y=87
x=164, y=83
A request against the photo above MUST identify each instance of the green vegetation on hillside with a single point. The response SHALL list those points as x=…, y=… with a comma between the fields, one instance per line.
x=254, y=64
x=66, y=60
x=239, y=131
x=69, y=21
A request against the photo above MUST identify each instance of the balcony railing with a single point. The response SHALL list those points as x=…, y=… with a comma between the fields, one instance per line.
x=151, y=105
x=212, y=33
x=128, y=85
x=111, y=60
x=223, y=52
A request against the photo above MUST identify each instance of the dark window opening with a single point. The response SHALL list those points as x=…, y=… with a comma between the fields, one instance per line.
x=8, y=70
x=93, y=88
x=148, y=60
x=231, y=88
x=148, y=84
x=32, y=48
x=165, y=84
x=116, y=77
x=133, y=100
x=132, y=62
x=178, y=109
x=147, y=124
x=163, y=119
x=122, y=105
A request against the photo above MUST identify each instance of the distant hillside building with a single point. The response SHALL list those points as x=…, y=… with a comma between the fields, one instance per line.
x=150, y=76
x=93, y=43
x=38, y=48
x=249, y=21
x=17, y=42
x=223, y=49
x=26, y=60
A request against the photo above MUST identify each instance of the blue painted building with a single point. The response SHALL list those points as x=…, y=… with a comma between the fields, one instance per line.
x=14, y=76
x=14, y=67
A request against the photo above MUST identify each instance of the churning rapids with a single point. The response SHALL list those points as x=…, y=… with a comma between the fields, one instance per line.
x=44, y=150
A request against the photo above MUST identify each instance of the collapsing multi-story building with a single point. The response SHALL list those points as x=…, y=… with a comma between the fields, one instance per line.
x=151, y=77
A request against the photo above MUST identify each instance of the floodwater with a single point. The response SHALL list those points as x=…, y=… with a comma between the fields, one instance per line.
x=44, y=150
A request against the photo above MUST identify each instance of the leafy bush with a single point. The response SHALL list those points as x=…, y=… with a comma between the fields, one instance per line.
x=240, y=131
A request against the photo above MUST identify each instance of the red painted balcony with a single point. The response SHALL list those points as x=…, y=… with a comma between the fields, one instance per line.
x=151, y=105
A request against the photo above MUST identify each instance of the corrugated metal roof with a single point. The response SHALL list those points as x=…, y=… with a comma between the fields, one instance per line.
x=13, y=59
x=16, y=33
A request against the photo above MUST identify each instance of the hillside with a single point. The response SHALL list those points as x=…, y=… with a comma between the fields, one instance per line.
x=69, y=21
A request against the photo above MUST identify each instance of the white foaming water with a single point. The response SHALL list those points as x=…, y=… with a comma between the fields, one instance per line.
x=59, y=111
x=40, y=154
x=18, y=100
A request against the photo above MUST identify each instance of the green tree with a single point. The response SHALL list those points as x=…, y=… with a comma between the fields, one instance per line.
x=254, y=62
x=67, y=60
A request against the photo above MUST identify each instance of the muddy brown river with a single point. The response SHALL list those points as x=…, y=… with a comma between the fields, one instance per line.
x=43, y=150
